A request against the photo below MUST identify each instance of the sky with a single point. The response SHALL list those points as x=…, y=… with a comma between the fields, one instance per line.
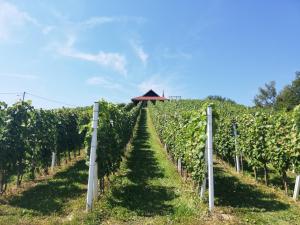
x=74, y=52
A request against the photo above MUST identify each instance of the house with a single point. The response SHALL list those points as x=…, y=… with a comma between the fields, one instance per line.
x=149, y=96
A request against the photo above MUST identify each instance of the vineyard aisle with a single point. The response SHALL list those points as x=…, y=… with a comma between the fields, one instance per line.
x=252, y=202
x=147, y=190
x=49, y=201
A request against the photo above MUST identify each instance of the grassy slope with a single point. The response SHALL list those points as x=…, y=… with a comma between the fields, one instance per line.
x=147, y=189
x=50, y=201
x=252, y=202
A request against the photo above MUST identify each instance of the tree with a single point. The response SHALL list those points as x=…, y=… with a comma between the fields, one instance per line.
x=289, y=97
x=266, y=96
x=220, y=98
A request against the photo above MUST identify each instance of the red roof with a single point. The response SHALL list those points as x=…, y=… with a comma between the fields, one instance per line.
x=148, y=98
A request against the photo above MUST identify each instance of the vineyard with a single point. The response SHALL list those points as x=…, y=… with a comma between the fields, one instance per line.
x=262, y=140
x=151, y=163
x=29, y=137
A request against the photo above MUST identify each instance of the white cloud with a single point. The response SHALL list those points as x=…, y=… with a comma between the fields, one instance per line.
x=176, y=54
x=94, y=21
x=165, y=81
x=139, y=51
x=20, y=76
x=103, y=82
x=116, y=61
x=99, y=20
x=160, y=84
x=11, y=18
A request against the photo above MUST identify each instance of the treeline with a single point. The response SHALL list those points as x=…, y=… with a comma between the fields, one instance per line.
x=29, y=136
x=286, y=99
x=115, y=128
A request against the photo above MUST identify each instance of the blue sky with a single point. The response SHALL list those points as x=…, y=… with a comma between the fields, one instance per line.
x=78, y=51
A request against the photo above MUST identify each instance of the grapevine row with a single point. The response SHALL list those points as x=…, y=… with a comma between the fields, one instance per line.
x=264, y=139
x=182, y=127
x=28, y=137
x=115, y=129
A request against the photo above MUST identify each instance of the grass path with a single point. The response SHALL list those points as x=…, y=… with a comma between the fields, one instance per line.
x=148, y=189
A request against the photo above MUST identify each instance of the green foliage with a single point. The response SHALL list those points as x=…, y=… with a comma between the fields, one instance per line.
x=289, y=97
x=42, y=140
x=265, y=138
x=4, y=152
x=266, y=96
x=253, y=128
x=295, y=155
x=29, y=136
x=220, y=98
x=181, y=125
x=282, y=141
x=115, y=129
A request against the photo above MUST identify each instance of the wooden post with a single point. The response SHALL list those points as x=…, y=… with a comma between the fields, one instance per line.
x=297, y=188
x=91, y=181
x=210, y=160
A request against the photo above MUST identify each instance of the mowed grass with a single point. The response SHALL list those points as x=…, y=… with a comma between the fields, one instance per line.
x=148, y=189
x=252, y=202
x=51, y=201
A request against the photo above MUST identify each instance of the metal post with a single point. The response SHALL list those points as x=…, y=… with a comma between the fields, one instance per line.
x=95, y=186
x=297, y=188
x=23, y=98
x=210, y=159
x=53, y=160
x=91, y=181
x=237, y=158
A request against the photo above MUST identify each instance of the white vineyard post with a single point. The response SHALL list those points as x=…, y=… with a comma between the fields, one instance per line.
x=237, y=159
x=95, y=186
x=293, y=165
x=210, y=160
x=202, y=189
x=92, y=184
x=179, y=165
x=53, y=160
x=297, y=188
